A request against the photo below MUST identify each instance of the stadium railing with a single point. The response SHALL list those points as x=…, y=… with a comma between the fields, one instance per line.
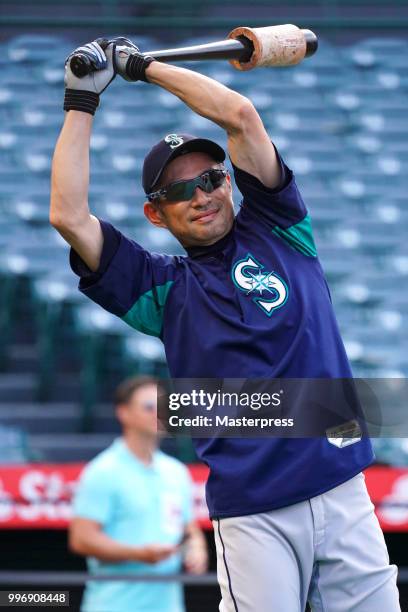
x=80, y=578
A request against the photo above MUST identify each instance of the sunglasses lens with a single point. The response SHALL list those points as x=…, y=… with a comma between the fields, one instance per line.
x=217, y=177
x=206, y=182
x=184, y=190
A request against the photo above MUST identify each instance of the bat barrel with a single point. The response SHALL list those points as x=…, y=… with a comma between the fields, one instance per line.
x=279, y=45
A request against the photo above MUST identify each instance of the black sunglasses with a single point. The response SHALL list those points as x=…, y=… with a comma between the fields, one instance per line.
x=184, y=190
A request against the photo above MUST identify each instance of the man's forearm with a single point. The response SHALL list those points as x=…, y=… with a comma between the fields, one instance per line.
x=91, y=542
x=70, y=171
x=104, y=548
x=203, y=95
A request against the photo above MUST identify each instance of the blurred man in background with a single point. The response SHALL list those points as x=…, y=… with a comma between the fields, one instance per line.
x=132, y=512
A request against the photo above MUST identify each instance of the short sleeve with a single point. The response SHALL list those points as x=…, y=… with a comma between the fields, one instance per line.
x=131, y=283
x=94, y=496
x=282, y=207
x=111, y=240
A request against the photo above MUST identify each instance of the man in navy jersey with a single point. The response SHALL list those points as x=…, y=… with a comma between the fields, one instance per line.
x=292, y=518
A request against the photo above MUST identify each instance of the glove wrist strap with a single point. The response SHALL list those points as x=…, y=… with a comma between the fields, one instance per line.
x=136, y=66
x=85, y=101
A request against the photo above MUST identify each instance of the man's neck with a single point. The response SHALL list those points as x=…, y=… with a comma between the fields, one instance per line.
x=141, y=445
x=205, y=249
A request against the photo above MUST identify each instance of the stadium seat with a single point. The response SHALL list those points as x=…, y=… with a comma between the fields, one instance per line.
x=14, y=446
x=28, y=254
x=121, y=210
x=391, y=451
x=35, y=48
x=54, y=296
x=98, y=334
x=388, y=51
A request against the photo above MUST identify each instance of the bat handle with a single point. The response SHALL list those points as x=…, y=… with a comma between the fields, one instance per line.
x=80, y=65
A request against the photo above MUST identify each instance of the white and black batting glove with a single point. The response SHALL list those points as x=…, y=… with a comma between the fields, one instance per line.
x=82, y=93
x=130, y=63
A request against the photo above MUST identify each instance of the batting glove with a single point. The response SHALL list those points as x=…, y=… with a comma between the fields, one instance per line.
x=131, y=64
x=82, y=94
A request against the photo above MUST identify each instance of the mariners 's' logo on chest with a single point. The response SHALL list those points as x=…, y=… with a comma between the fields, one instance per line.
x=267, y=289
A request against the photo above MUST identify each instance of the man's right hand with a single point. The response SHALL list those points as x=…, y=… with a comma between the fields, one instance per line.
x=83, y=93
x=154, y=553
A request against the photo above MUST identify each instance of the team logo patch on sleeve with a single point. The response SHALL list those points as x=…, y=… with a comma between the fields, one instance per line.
x=267, y=289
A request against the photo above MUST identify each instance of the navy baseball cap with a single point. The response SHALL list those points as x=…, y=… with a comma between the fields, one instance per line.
x=172, y=146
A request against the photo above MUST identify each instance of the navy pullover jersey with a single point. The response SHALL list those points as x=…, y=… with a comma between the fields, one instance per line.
x=218, y=318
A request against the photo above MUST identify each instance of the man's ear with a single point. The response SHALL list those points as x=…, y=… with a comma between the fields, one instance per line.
x=153, y=214
x=228, y=179
x=121, y=413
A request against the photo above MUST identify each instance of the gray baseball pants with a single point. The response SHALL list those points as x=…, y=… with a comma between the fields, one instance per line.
x=328, y=550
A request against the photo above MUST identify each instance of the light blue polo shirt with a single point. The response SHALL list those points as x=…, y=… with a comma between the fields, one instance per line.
x=136, y=505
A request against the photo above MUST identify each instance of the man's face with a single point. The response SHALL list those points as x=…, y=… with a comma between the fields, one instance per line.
x=204, y=219
x=140, y=413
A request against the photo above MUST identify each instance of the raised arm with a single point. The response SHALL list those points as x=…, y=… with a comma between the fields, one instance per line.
x=87, y=538
x=69, y=211
x=249, y=145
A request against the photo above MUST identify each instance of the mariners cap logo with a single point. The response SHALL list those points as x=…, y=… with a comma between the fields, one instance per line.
x=173, y=140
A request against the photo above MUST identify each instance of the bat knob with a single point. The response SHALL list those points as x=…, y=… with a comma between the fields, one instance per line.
x=80, y=65
x=312, y=42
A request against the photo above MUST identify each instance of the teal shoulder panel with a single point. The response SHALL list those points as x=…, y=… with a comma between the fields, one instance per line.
x=146, y=314
x=299, y=237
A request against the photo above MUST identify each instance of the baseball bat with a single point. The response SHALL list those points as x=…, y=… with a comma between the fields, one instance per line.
x=246, y=48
